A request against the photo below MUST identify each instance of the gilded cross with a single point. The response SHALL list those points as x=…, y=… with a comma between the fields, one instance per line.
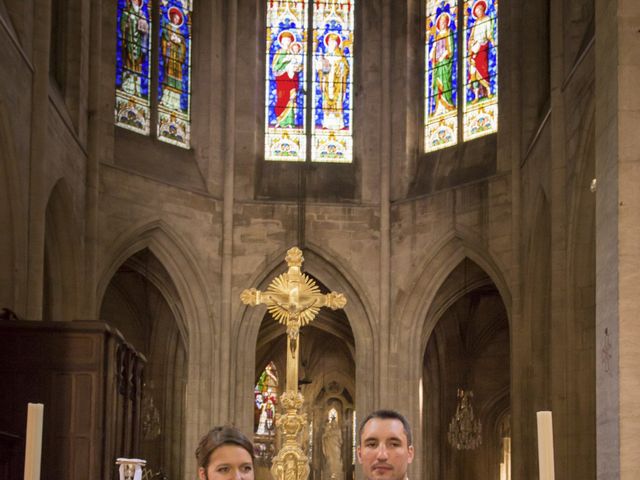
x=293, y=299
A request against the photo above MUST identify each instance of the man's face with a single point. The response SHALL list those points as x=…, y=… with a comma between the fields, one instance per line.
x=383, y=451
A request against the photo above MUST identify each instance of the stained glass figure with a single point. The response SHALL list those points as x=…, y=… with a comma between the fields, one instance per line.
x=174, y=72
x=266, y=399
x=333, y=40
x=133, y=74
x=480, y=68
x=285, y=80
x=441, y=54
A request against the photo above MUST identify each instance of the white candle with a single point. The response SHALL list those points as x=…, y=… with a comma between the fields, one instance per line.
x=545, y=446
x=33, y=448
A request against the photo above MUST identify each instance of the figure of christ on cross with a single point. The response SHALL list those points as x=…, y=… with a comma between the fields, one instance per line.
x=294, y=300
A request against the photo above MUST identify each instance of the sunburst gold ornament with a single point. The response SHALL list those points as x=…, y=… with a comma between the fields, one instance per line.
x=294, y=300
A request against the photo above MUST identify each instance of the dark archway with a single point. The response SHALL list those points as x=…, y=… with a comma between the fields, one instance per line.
x=141, y=301
x=468, y=349
x=327, y=380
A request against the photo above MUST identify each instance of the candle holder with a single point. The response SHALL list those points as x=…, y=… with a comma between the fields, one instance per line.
x=130, y=468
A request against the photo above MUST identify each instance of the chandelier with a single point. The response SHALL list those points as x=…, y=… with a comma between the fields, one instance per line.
x=465, y=431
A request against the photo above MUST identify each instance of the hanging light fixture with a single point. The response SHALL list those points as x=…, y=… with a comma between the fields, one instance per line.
x=465, y=431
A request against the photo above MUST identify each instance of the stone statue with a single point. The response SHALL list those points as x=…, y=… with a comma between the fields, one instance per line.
x=332, y=450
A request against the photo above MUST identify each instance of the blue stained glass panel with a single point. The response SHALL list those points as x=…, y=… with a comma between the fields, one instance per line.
x=285, y=102
x=441, y=76
x=480, y=68
x=333, y=41
x=174, y=72
x=133, y=73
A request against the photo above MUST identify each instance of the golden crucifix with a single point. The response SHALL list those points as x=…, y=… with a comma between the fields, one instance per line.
x=294, y=300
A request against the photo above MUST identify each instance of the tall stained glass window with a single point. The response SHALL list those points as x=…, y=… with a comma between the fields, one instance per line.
x=266, y=399
x=441, y=77
x=461, y=102
x=481, y=68
x=326, y=118
x=133, y=65
x=135, y=70
x=174, y=72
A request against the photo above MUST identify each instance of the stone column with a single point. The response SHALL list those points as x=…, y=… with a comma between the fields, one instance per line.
x=617, y=234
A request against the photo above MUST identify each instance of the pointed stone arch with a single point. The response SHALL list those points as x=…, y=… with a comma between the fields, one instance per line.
x=416, y=320
x=447, y=255
x=197, y=327
x=176, y=257
x=327, y=269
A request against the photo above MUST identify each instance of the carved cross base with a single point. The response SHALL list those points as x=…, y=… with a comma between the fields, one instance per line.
x=291, y=463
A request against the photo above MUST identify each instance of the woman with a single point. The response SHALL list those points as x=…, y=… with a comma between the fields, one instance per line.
x=225, y=453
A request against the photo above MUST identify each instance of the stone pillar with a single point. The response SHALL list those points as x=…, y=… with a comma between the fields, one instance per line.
x=617, y=233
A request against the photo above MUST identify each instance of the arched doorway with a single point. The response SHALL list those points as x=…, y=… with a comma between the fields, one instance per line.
x=326, y=380
x=468, y=351
x=141, y=301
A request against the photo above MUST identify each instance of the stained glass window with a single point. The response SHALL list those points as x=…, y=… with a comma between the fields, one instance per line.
x=133, y=62
x=481, y=68
x=332, y=90
x=134, y=70
x=329, y=68
x=475, y=83
x=285, y=80
x=174, y=72
x=441, y=53
x=266, y=399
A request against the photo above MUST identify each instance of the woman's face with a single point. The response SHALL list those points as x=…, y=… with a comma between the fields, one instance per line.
x=228, y=462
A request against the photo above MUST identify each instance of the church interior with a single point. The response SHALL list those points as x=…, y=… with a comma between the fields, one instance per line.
x=462, y=171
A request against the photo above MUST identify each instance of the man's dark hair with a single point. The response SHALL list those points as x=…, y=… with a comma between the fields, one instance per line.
x=388, y=415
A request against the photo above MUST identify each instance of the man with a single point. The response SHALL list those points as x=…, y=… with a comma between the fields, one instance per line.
x=386, y=447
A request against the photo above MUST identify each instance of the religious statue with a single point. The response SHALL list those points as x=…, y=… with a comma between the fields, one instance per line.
x=332, y=451
x=333, y=75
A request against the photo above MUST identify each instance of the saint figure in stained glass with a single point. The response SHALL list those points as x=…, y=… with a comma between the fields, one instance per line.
x=133, y=65
x=333, y=40
x=174, y=72
x=134, y=29
x=288, y=61
x=481, y=68
x=174, y=49
x=442, y=61
x=266, y=398
x=333, y=75
x=287, y=66
x=441, y=51
x=285, y=80
x=479, y=48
